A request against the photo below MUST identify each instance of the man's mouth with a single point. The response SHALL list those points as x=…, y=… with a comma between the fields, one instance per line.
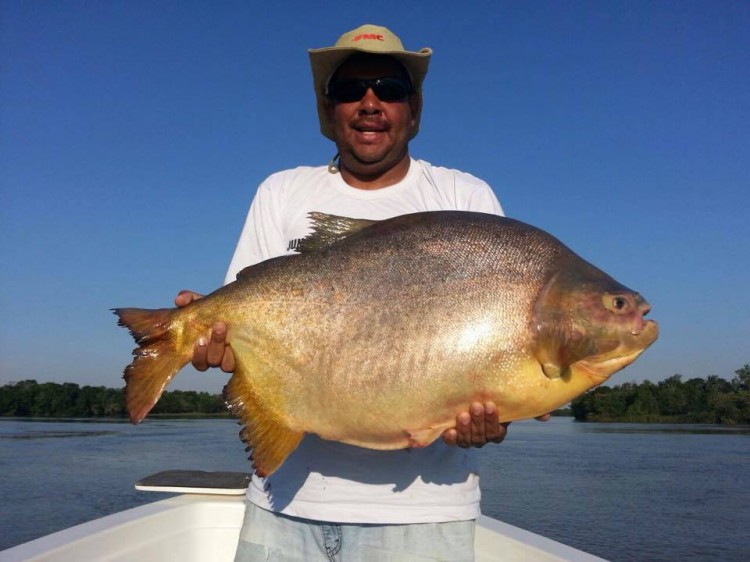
x=369, y=127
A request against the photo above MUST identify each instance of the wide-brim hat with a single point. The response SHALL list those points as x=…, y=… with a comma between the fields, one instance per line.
x=367, y=38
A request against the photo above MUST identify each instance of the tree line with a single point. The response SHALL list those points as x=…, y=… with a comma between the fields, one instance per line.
x=709, y=400
x=68, y=400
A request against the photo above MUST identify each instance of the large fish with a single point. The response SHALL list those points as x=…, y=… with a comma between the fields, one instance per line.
x=378, y=334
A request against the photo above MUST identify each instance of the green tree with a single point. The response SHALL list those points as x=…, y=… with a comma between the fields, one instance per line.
x=709, y=400
x=671, y=396
x=742, y=381
x=695, y=398
x=17, y=399
x=644, y=406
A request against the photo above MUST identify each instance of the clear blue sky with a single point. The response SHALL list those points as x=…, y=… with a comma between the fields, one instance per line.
x=133, y=135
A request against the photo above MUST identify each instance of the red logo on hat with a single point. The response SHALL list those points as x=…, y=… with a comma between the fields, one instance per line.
x=373, y=36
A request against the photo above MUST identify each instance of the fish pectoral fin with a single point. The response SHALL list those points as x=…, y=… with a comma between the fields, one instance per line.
x=419, y=438
x=552, y=370
x=549, y=359
x=550, y=351
x=269, y=439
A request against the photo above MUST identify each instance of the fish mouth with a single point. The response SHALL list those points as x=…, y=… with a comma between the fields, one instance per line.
x=601, y=367
x=601, y=370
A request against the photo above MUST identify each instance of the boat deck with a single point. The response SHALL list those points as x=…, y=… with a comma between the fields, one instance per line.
x=204, y=527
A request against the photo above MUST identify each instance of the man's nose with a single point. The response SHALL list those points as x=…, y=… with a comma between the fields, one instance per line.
x=370, y=104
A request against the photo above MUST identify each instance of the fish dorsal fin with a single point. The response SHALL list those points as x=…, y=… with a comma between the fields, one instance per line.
x=248, y=395
x=329, y=229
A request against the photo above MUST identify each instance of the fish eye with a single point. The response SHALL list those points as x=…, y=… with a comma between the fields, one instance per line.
x=619, y=304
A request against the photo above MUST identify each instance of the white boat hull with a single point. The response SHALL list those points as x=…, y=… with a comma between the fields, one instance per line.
x=205, y=528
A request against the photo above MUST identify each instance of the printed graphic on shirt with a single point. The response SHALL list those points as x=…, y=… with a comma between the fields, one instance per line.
x=293, y=244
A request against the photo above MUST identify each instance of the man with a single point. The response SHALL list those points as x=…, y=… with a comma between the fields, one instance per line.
x=332, y=501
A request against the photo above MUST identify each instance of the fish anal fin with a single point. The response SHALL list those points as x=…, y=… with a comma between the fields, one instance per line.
x=419, y=438
x=264, y=431
x=158, y=357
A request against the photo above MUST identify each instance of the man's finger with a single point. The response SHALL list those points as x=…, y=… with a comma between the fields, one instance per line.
x=227, y=362
x=494, y=430
x=463, y=430
x=478, y=431
x=450, y=437
x=216, y=345
x=184, y=298
x=200, y=362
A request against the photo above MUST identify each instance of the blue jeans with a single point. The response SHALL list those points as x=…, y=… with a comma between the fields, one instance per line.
x=281, y=538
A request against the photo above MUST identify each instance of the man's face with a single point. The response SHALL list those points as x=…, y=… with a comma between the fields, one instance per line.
x=372, y=135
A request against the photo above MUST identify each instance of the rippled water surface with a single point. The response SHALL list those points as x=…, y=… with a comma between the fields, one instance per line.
x=626, y=491
x=621, y=491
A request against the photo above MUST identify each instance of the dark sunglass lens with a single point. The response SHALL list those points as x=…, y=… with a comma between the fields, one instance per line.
x=349, y=91
x=390, y=89
x=387, y=89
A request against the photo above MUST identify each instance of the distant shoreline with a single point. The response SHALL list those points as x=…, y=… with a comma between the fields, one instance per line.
x=228, y=416
x=116, y=419
x=712, y=400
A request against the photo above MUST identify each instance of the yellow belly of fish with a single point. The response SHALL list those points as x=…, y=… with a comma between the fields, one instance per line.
x=372, y=415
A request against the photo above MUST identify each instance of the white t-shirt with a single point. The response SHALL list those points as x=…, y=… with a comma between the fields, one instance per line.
x=331, y=481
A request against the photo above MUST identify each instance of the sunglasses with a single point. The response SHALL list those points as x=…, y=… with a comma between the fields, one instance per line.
x=388, y=89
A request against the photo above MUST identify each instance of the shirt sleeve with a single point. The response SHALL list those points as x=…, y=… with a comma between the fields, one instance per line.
x=461, y=191
x=479, y=196
x=484, y=200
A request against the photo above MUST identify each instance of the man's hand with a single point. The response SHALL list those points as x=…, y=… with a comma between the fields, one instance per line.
x=479, y=426
x=211, y=351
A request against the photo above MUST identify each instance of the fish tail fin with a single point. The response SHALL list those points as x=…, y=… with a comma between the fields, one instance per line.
x=268, y=437
x=158, y=357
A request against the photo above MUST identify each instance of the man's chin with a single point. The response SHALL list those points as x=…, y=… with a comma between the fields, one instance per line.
x=369, y=166
x=364, y=159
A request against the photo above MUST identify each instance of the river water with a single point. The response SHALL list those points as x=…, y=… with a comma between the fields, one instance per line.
x=621, y=491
